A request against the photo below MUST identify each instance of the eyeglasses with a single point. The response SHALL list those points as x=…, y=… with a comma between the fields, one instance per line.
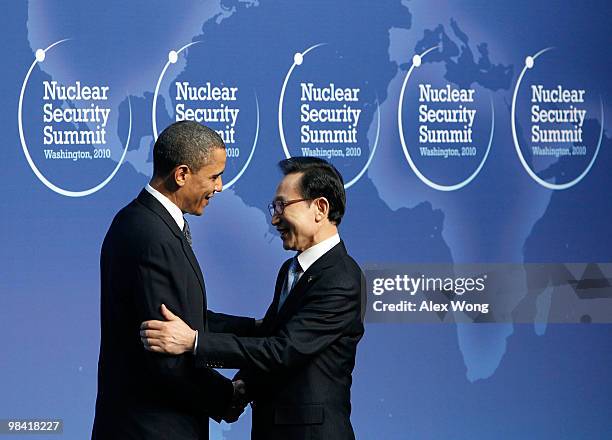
x=277, y=207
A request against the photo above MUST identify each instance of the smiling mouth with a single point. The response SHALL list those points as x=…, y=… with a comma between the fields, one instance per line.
x=283, y=233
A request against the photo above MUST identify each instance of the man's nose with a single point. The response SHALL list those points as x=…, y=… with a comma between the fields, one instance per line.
x=219, y=184
x=275, y=219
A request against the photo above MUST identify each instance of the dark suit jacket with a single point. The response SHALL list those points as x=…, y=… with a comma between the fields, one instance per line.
x=146, y=261
x=298, y=364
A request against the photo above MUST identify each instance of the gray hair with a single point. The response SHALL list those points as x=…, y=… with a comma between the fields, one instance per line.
x=184, y=143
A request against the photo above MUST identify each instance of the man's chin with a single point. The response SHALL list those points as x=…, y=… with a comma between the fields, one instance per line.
x=287, y=245
x=200, y=211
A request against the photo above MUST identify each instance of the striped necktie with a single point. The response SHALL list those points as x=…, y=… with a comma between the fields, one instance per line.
x=293, y=275
x=187, y=232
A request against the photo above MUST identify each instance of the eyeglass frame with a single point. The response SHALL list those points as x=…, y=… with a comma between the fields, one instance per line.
x=283, y=203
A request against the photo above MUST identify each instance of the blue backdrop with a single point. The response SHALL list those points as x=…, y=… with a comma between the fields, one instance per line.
x=411, y=381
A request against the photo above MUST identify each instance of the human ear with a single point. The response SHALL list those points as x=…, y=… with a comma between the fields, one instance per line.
x=322, y=206
x=180, y=174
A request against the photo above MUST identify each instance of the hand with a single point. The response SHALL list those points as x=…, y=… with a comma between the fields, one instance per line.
x=238, y=403
x=172, y=336
x=240, y=394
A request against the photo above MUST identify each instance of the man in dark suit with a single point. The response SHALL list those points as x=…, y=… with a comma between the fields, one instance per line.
x=146, y=260
x=297, y=363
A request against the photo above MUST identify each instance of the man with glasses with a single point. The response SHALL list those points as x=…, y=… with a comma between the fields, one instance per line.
x=297, y=362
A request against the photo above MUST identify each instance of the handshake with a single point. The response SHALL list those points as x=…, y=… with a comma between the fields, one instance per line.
x=238, y=403
x=174, y=337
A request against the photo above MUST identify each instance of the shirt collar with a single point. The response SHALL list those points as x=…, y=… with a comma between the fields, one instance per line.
x=308, y=257
x=174, y=210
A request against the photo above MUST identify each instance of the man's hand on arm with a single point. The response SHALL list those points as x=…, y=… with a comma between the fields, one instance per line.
x=172, y=336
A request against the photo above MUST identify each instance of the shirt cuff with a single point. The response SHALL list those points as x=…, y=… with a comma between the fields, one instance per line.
x=195, y=344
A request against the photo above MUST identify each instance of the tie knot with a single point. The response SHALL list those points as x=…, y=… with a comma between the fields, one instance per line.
x=295, y=267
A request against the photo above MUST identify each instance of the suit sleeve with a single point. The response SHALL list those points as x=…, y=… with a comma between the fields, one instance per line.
x=202, y=389
x=237, y=325
x=324, y=317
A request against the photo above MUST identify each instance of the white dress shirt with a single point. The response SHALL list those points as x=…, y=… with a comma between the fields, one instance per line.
x=174, y=210
x=308, y=257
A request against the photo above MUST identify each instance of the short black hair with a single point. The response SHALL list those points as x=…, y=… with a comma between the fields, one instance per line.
x=184, y=143
x=319, y=179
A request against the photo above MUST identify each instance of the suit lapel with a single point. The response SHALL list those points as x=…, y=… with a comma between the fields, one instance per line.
x=308, y=278
x=195, y=266
x=153, y=204
x=270, y=316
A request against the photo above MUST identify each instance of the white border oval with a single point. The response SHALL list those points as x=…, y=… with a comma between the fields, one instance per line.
x=26, y=152
x=281, y=130
x=517, y=147
x=400, y=125
x=154, y=114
